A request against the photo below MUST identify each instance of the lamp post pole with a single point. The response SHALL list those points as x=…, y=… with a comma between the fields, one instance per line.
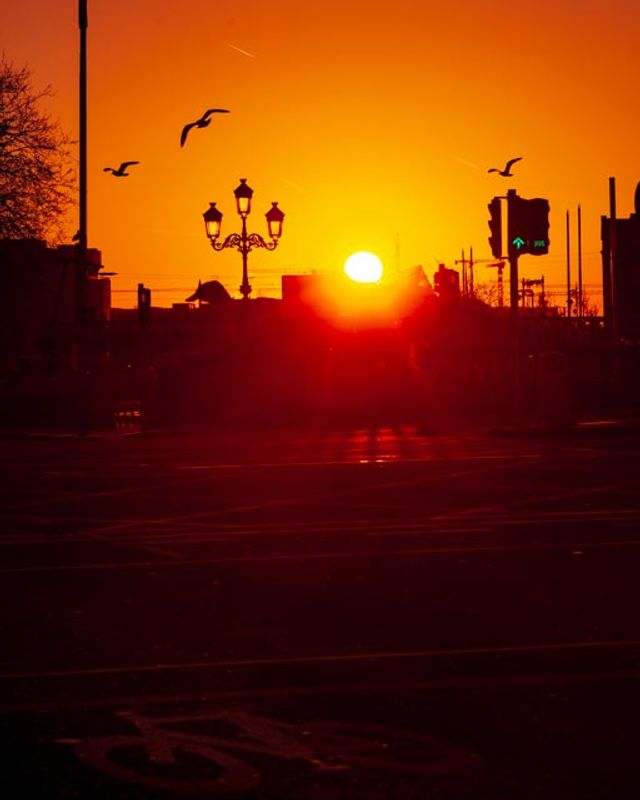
x=244, y=242
x=245, y=286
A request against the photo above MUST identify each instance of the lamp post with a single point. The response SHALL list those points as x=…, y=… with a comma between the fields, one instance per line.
x=244, y=242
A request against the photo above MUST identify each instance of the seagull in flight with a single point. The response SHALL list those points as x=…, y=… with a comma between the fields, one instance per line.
x=506, y=172
x=121, y=172
x=200, y=123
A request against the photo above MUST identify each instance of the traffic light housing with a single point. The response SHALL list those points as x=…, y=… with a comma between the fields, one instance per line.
x=528, y=225
x=495, y=225
x=538, y=226
x=517, y=224
x=144, y=303
x=446, y=283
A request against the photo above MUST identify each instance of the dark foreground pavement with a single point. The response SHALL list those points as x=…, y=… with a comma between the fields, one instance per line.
x=363, y=614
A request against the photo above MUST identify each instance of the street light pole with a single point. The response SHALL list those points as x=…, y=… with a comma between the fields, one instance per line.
x=83, y=24
x=244, y=242
x=245, y=286
x=81, y=247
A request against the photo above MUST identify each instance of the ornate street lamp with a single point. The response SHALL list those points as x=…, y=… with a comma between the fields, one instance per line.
x=243, y=242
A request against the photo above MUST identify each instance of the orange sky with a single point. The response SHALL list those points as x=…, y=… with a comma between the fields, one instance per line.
x=372, y=124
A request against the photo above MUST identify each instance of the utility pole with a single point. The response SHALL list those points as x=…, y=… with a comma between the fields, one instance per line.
x=499, y=265
x=613, y=247
x=527, y=289
x=568, y=269
x=580, y=298
x=467, y=273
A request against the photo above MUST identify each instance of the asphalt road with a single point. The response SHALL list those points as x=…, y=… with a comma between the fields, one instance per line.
x=352, y=614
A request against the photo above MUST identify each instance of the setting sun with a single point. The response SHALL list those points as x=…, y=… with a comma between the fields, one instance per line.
x=363, y=267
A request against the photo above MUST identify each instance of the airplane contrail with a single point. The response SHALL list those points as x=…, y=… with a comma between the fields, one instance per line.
x=470, y=163
x=240, y=50
x=293, y=185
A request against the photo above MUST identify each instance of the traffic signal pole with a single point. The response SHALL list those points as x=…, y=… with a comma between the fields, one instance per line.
x=513, y=283
x=527, y=230
x=513, y=254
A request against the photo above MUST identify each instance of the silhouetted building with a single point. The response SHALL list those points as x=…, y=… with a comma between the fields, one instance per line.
x=211, y=292
x=621, y=272
x=43, y=287
x=144, y=303
x=446, y=284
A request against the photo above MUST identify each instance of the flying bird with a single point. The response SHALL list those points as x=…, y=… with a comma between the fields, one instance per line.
x=506, y=172
x=200, y=123
x=121, y=172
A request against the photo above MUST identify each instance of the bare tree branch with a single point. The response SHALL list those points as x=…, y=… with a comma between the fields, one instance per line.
x=37, y=181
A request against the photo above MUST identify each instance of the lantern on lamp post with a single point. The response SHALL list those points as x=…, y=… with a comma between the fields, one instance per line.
x=244, y=242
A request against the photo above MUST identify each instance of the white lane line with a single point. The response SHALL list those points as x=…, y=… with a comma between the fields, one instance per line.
x=161, y=538
x=538, y=499
x=317, y=499
x=426, y=531
x=423, y=551
x=356, y=459
x=159, y=551
x=160, y=530
x=164, y=483
x=461, y=681
x=383, y=655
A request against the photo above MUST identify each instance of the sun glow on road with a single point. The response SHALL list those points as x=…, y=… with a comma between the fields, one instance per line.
x=363, y=267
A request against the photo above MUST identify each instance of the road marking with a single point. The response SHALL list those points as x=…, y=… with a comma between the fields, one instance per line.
x=165, y=483
x=325, y=746
x=307, y=500
x=159, y=551
x=203, y=530
x=539, y=499
x=336, y=658
x=380, y=687
x=421, y=551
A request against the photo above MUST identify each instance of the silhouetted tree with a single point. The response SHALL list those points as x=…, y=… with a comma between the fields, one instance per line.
x=590, y=307
x=487, y=292
x=36, y=178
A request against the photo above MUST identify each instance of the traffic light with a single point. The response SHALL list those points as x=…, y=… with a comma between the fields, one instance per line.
x=144, y=303
x=538, y=226
x=528, y=225
x=446, y=283
x=495, y=224
x=518, y=224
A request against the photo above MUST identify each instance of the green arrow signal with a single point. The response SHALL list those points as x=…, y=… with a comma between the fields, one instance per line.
x=518, y=243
